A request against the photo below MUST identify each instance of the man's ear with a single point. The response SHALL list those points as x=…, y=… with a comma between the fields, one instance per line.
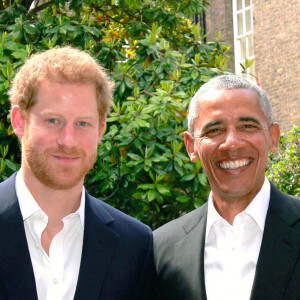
x=275, y=136
x=17, y=120
x=101, y=130
x=190, y=146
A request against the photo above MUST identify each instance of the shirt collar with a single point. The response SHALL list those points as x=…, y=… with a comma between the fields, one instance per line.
x=29, y=206
x=257, y=208
x=212, y=215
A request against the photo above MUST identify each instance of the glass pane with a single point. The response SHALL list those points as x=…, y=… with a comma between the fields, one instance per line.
x=239, y=4
x=240, y=23
x=247, y=3
x=243, y=48
x=248, y=20
x=250, y=45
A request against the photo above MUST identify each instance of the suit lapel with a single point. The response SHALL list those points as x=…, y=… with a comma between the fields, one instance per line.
x=99, y=245
x=16, y=269
x=192, y=246
x=279, y=250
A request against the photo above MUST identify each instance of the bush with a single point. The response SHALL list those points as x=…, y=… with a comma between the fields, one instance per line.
x=284, y=166
x=158, y=59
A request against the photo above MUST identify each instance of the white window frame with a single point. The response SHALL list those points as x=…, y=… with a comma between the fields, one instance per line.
x=237, y=49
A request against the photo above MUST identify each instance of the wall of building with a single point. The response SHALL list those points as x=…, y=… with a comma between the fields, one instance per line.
x=218, y=18
x=276, y=47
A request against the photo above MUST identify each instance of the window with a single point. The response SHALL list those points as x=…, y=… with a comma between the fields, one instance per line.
x=243, y=38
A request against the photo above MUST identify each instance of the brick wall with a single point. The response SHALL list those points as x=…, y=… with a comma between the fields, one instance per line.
x=218, y=18
x=277, y=56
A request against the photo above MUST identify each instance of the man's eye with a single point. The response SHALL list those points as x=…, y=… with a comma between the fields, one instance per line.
x=82, y=123
x=248, y=127
x=52, y=121
x=214, y=131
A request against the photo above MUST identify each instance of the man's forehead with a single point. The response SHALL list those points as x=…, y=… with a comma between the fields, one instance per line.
x=227, y=98
x=217, y=105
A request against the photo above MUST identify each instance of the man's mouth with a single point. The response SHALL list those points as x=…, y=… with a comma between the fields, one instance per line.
x=66, y=157
x=234, y=164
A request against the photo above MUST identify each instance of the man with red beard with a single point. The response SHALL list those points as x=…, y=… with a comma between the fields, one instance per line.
x=57, y=241
x=244, y=243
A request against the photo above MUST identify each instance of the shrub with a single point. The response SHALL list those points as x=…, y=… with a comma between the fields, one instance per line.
x=284, y=166
x=158, y=59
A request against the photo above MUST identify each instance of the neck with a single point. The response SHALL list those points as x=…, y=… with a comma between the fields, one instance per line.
x=55, y=203
x=229, y=205
x=228, y=211
x=228, y=208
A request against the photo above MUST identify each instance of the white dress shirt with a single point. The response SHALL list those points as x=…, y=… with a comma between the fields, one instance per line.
x=231, y=251
x=56, y=275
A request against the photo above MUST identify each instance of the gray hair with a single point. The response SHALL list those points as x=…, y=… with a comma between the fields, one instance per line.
x=227, y=82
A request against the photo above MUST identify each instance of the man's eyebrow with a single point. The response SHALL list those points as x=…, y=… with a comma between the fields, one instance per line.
x=57, y=114
x=211, y=124
x=250, y=119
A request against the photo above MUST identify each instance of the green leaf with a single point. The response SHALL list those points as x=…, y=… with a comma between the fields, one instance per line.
x=146, y=186
x=149, y=109
x=30, y=29
x=159, y=159
x=12, y=165
x=107, y=145
x=164, y=190
x=12, y=46
x=112, y=119
x=142, y=123
x=134, y=163
x=122, y=88
x=183, y=198
x=188, y=177
x=202, y=178
x=178, y=169
x=151, y=195
x=135, y=156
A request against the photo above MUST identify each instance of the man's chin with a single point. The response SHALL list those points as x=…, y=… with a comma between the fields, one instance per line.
x=58, y=180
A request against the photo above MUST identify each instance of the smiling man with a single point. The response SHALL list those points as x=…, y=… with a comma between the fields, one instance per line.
x=58, y=242
x=244, y=243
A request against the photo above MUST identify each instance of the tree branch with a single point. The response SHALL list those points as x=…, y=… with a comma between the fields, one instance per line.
x=1, y=5
x=146, y=92
x=39, y=8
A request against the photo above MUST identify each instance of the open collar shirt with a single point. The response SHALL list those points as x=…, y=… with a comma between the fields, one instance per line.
x=231, y=251
x=55, y=274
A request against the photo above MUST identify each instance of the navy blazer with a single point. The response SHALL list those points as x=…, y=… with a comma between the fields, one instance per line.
x=179, y=254
x=117, y=255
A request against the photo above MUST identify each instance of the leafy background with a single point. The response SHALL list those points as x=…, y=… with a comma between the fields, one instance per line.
x=158, y=58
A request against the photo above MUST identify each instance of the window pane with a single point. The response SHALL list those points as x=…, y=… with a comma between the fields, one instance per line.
x=248, y=20
x=240, y=23
x=247, y=3
x=239, y=4
x=250, y=45
x=243, y=48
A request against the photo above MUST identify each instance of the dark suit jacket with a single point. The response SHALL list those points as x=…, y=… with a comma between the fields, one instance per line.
x=117, y=254
x=179, y=254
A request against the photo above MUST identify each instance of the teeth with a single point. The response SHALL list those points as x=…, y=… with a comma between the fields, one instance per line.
x=234, y=164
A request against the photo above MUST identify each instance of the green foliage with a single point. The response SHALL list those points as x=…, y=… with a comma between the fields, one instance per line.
x=158, y=60
x=284, y=166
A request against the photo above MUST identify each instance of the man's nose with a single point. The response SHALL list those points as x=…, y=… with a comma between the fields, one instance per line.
x=67, y=136
x=232, y=141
